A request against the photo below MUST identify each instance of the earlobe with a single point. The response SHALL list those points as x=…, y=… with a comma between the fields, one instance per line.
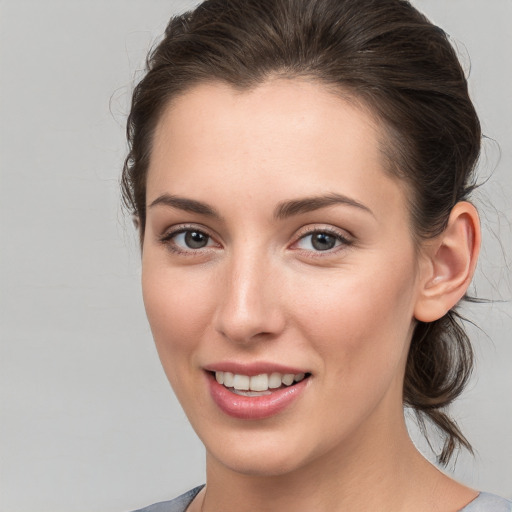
x=449, y=264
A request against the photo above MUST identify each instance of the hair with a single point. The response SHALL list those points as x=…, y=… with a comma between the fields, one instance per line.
x=386, y=56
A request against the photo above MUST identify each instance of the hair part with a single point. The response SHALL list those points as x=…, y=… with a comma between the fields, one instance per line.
x=386, y=56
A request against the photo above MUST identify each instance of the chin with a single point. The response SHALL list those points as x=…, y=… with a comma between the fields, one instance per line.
x=264, y=453
x=261, y=465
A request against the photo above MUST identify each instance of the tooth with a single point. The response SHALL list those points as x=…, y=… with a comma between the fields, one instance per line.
x=251, y=393
x=288, y=379
x=274, y=381
x=241, y=382
x=259, y=382
x=228, y=379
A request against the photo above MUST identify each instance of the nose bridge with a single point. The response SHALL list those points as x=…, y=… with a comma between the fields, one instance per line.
x=249, y=305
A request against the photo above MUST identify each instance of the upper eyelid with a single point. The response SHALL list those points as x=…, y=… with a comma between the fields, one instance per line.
x=181, y=228
x=170, y=232
x=346, y=240
x=166, y=239
x=308, y=230
x=301, y=233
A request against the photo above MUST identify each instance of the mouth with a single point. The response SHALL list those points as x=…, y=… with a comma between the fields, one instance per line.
x=263, y=384
x=255, y=397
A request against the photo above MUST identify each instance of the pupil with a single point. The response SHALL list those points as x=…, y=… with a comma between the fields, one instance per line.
x=195, y=240
x=323, y=241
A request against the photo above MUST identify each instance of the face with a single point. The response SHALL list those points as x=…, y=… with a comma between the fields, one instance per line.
x=277, y=249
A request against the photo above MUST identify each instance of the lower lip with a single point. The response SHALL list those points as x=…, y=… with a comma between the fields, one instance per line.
x=254, y=407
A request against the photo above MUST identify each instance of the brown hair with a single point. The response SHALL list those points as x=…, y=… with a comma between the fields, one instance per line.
x=387, y=56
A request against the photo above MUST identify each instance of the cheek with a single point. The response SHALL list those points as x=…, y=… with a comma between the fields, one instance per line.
x=178, y=309
x=360, y=320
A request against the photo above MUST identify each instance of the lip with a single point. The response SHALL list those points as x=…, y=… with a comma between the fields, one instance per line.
x=252, y=369
x=254, y=407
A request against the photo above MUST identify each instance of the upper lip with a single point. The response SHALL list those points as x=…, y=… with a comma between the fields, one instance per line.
x=252, y=369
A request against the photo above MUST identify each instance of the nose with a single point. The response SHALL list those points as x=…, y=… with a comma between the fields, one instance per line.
x=249, y=306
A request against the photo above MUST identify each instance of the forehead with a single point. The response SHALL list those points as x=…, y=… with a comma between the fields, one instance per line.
x=295, y=105
x=285, y=135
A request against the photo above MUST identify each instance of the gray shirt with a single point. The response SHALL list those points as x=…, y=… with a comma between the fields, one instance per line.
x=484, y=502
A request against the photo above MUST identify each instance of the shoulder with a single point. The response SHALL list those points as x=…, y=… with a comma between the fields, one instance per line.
x=486, y=502
x=178, y=504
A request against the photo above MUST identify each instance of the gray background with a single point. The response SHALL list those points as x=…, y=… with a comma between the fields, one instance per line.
x=87, y=419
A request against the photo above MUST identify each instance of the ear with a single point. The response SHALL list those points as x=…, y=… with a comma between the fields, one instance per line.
x=136, y=225
x=449, y=264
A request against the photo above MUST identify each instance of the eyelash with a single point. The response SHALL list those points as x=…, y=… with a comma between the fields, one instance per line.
x=344, y=242
x=167, y=240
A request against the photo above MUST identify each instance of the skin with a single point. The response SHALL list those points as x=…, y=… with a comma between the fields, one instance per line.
x=260, y=291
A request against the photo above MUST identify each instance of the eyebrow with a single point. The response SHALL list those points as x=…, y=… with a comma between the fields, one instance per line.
x=309, y=204
x=187, y=205
x=283, y=210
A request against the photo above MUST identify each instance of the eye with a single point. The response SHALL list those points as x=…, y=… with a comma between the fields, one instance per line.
x=191, y=239
x=321, y=240
x=187, y=240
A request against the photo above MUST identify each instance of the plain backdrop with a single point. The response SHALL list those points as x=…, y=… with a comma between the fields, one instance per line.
x=88, y=421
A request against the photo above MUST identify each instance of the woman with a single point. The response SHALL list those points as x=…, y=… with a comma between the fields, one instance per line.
x=300, y=173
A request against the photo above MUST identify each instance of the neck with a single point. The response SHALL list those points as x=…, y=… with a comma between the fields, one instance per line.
x=376, y=475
